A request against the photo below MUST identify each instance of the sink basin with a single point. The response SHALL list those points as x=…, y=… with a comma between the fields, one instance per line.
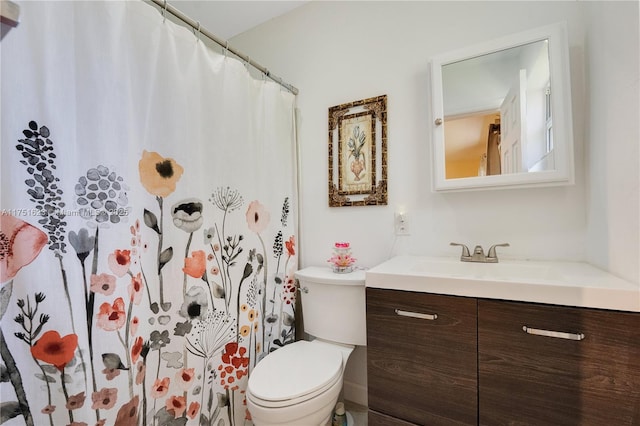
x=559, y=283
x=511, y=271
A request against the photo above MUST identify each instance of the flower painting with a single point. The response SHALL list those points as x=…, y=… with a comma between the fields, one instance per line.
x=356, y=160
x=358, y=153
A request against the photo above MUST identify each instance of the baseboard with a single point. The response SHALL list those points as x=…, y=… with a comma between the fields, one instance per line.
x=355, y=392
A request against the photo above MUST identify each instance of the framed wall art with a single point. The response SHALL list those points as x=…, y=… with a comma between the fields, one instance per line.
x=358, y=153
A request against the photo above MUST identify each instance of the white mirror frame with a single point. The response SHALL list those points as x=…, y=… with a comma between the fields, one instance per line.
x=563, y=174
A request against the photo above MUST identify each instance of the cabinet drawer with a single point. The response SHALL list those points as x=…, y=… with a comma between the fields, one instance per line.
x=422, y=357
x=554, y=365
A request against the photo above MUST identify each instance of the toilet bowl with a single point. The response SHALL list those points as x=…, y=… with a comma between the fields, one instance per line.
x=299, y=384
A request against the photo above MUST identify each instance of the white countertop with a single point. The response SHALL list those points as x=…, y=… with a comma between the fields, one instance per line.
x=558, y=283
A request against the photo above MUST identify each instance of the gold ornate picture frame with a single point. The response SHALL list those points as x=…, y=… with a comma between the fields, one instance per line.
x=358, y=153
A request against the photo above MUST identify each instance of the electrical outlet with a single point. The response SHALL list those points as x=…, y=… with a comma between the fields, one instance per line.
x=402, y=224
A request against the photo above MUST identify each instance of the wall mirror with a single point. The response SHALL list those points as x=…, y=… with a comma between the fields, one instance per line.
x=502, y=113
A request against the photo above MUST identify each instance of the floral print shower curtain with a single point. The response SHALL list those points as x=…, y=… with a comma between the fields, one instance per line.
x=147, y=233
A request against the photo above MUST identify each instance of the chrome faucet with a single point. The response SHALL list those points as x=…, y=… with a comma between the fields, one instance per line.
x=478, y=253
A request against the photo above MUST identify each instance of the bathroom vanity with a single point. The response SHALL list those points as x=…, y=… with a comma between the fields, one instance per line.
x=530, y=343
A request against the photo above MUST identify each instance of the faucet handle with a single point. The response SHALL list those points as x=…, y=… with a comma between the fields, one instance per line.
x=465, y=249
x=492, y=250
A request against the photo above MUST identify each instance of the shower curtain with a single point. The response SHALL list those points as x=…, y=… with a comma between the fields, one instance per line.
x=147, y=236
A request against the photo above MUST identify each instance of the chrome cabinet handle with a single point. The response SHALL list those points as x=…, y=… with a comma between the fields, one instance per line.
x=556, y=334
x=418, y=315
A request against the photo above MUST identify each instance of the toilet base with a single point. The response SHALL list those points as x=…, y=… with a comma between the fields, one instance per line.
x=310, y=420
x=350, y=420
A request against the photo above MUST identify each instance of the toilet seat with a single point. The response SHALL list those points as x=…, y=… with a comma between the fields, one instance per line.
x=293, y=374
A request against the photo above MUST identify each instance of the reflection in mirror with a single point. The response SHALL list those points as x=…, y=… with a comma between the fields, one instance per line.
x=496, y=113
x=496, y=123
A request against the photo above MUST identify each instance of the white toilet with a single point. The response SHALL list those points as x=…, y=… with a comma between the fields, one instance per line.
x=299, y=384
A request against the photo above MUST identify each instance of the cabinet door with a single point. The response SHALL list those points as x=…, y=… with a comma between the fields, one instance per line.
x=376, y=419
x=422, y=357
x=588, y=374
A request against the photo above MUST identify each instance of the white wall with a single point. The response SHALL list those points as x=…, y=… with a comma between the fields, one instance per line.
x=336, y=52
x=613, y=154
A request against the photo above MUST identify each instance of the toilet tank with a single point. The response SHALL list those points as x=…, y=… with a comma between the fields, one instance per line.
x=333, y=305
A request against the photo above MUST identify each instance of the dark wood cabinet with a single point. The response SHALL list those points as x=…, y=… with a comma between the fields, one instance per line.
x=421, y=358
x=378, y=419
x=556, y=365
x=448, y=360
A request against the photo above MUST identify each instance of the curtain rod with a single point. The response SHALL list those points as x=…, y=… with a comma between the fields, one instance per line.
x=166, y=7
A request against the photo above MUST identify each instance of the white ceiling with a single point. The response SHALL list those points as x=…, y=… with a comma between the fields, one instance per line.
x=228, y=18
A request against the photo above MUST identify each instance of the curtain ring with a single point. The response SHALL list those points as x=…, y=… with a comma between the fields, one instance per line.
x=226, y=48
x=164, y=12
x=198, y=31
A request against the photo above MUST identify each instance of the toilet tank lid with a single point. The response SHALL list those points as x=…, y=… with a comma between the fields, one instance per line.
x=325, y=275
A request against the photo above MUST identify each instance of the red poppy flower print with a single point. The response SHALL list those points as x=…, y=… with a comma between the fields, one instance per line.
x=20, y=244
x=104, y=399
x=136, y=288
x=141, y=370
x=48, y=409
x=112, y=317
x=136, y=350
x=111, y=373
x=128, y=413
x=185, y=378
x=192, y=412
x=289, y=290
x=53, y=349
x=119, y=262
x=196, y=265
x=133, y=326
x=75, y=401
x=234, y=365
x=257, y=217
x=291, y=245
x=176, y=405
x=160, y=387
x=103, y=284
